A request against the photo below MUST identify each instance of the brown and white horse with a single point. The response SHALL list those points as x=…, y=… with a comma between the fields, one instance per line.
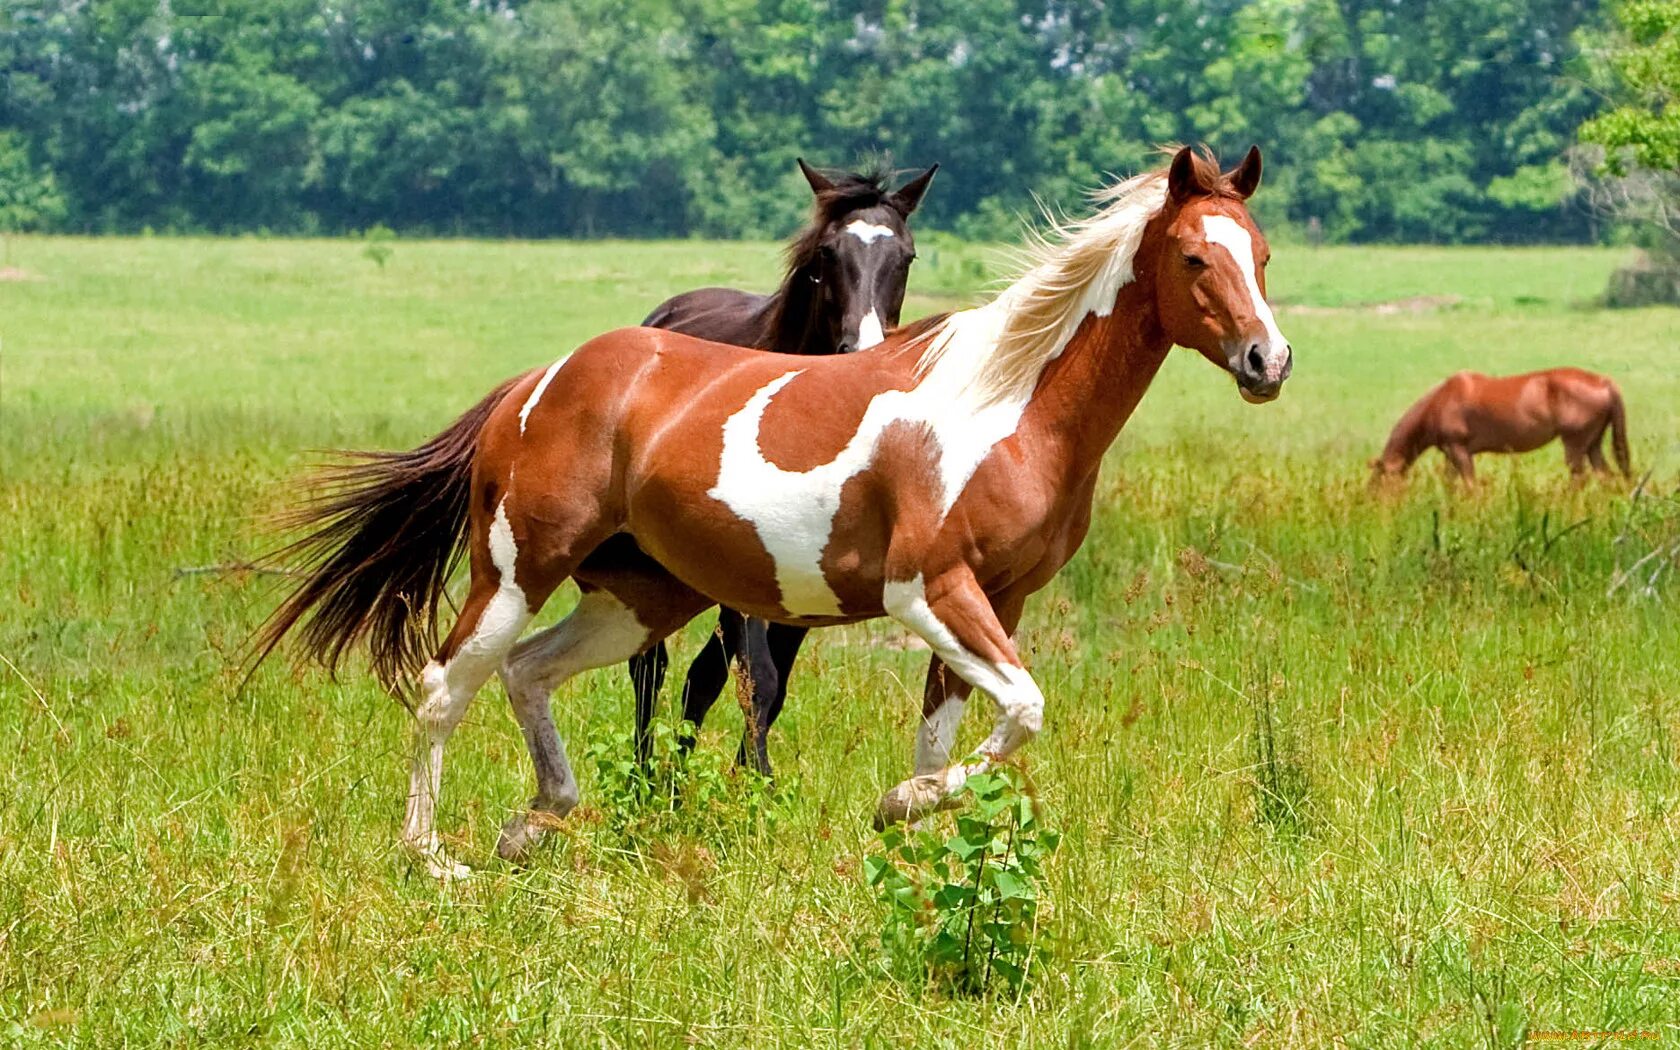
x=939, y=480
x=1471, y=413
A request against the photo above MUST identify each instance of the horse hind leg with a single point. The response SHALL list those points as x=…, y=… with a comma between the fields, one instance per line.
x=624, y=609
x=491, y=620
x=1595, y=451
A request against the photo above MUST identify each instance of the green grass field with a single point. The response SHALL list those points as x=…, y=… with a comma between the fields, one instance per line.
x=1331, y=769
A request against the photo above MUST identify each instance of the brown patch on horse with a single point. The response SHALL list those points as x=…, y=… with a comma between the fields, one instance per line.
x=857, y=560
x=803, y=427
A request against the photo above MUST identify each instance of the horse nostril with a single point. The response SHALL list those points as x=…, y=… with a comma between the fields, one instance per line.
x=847, y=346
x=1255, y=362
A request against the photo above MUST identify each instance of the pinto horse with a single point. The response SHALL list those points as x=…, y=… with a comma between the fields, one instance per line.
x=1471, y=413
x=843, y=288
x=939, y=480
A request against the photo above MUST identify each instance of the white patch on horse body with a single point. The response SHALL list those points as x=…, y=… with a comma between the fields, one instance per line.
x=793, y=511
x=1229, y=234
x=504, y=555
x=536, y=395
x=869, y=330
x=868, y=232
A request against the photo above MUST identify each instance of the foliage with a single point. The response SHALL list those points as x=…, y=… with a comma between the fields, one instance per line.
x=1644, y=60
x=1381, y=120
x=963, y=908
x=1637, y=146
x=680, y=792
x=29, y=197
x=376, y=245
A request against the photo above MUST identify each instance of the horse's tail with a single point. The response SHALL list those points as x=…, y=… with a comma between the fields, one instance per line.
x=1618, y=431
x=387, y=529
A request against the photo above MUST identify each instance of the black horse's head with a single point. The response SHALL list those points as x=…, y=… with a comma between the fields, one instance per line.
x=849, y=268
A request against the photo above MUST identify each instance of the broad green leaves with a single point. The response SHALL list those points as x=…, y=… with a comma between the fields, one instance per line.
x=964, y=908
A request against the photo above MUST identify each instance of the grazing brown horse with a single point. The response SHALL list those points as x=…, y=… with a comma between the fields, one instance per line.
x=939, y=480
x=1471, y=413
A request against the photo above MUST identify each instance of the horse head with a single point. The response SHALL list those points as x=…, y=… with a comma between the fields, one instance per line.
x=1210, y=273
x=855, y=258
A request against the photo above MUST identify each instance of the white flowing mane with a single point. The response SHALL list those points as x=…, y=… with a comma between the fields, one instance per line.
x=1075, y=269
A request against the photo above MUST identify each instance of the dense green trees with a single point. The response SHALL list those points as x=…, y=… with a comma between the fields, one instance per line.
x=1383, y=120
x=1635, y=145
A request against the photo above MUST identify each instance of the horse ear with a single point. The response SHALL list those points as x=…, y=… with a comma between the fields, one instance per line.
x=909, y=195
x=1246, y=178
x=819, y=182
x=1184, y=178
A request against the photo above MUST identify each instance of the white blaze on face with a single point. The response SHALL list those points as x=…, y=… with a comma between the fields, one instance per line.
x=868, y=232
x=869, y=330
x=1229, y=234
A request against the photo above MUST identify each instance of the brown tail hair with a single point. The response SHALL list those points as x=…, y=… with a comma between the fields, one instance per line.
x=1618, y=432
x=388, y=529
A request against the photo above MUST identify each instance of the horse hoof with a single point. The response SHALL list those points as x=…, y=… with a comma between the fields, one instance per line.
x=517, y=839
x=438, y=864
x=912, y=800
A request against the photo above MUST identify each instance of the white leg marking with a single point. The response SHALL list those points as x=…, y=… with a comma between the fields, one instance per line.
x=449, y=688
x=599, y=632
x=869, y=330
x=1229, y=234
x=937, y=736
x=536, y=395
x=1020, y=704
x=868, y=232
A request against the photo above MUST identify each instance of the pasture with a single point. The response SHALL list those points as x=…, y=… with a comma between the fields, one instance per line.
x=1331, y=769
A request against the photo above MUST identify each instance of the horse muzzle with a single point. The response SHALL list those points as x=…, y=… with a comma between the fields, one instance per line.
x=1260, y=368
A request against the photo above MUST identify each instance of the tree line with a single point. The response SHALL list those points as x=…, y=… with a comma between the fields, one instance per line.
x=1382, y=120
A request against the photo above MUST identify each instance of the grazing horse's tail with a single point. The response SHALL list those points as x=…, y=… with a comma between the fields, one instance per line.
x=1618, y=431
x=388, y=528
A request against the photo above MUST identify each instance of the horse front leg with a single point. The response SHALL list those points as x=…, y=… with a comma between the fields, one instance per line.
x=1463, y=462
x=756, y=660
x=647, y=676
x=970, y=638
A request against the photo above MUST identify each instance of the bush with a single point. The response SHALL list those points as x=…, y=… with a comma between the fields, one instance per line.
x=964, y=909
x=1651, y=281
x=679, y=793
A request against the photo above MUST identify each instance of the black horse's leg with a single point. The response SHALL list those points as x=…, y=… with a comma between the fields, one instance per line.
x=709, y=671
x=647, y=675
x=781, y=644
x=756, y=660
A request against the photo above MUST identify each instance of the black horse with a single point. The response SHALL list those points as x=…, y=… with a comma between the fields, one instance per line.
x=843, y=288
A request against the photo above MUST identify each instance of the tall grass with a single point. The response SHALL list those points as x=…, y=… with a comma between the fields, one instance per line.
x=1331, y=767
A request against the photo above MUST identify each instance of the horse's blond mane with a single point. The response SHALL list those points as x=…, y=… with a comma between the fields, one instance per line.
x=1072, y=270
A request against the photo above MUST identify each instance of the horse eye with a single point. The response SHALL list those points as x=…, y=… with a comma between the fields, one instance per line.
x=1195, y=262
